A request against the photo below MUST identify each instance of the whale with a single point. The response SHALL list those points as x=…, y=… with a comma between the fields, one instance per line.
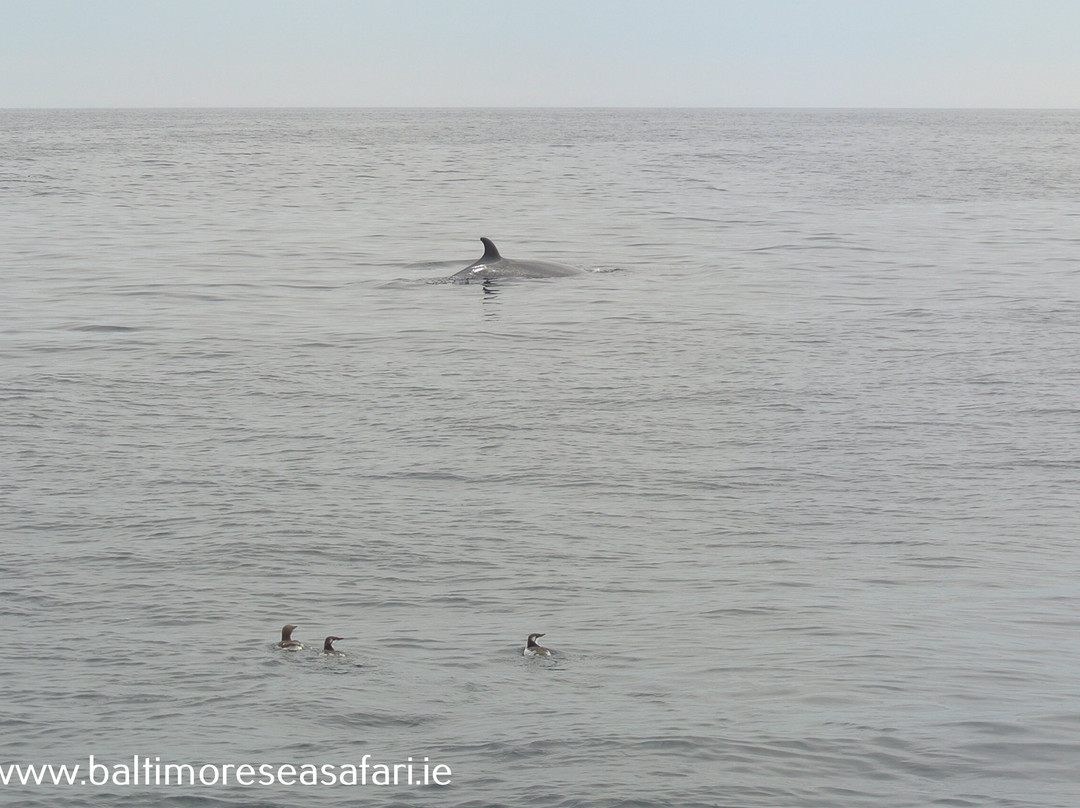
x=492, y=266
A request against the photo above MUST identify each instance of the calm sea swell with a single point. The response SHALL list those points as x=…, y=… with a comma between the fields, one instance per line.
x=790, y=483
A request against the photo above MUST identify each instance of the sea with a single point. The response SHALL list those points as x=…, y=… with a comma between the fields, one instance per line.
x=788, y=476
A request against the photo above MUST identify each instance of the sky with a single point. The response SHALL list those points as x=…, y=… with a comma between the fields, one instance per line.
x=540, y=53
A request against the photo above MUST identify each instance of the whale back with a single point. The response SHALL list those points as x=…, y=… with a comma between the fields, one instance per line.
x=491, y=265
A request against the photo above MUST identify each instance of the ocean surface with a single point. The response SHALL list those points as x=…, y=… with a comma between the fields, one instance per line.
x=789, y=477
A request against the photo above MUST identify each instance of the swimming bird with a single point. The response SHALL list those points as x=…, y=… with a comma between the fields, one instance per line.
x=532, y=648
x=328, y=646
x=287, y=642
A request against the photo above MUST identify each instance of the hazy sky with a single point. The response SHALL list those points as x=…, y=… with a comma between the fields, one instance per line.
x=846, y=53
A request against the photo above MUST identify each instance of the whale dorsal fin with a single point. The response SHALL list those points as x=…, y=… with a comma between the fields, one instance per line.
x=491, y=252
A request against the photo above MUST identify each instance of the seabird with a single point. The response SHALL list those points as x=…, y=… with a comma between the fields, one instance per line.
x=328, y=646
x=287, y=642
x=532, y=648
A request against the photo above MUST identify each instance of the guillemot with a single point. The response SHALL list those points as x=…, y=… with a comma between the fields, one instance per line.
x=287, y=642
x=328, y=646
x=532, y=648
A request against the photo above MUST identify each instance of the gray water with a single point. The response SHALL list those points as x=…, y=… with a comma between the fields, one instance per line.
x=788, y=478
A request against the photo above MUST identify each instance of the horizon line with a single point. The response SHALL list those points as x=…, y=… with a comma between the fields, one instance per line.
x=434, y=107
